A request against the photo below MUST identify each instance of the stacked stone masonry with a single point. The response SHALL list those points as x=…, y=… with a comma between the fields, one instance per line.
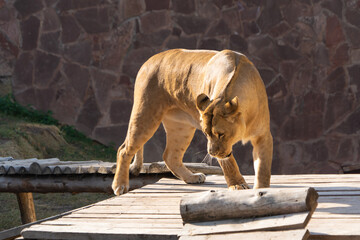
x=79, y=59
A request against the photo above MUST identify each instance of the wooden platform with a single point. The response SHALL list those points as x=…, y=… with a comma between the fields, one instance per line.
x=152, y=212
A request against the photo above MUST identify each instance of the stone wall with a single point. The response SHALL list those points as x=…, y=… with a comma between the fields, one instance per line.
x=79, y=59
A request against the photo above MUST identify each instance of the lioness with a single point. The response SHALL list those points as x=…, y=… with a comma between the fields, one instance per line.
x=220, y=93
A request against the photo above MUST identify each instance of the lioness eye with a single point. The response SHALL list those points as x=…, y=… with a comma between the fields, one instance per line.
x=221, y=135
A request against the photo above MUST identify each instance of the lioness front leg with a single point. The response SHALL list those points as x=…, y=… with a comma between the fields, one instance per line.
x=233, y=177
x=262, y=156
x=178, y=138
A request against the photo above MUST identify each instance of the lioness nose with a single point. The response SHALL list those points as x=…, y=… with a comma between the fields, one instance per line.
x=213, y=150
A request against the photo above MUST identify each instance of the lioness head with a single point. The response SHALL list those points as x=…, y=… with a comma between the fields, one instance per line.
x=221, y=123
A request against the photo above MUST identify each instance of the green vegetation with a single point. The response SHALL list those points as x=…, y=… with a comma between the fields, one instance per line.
x=28, y=133
x=80, y=148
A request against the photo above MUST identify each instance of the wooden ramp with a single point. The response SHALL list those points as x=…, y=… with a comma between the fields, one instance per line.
x=152, y=212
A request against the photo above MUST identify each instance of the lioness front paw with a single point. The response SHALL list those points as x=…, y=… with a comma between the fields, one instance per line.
x=196, y=178
x=120, y=188
x=135, y=169
x=239, y=186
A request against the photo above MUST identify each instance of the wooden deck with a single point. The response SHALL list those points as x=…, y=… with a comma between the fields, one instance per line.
x=152, y=212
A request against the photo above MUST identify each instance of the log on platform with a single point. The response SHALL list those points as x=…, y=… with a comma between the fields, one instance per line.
x=218, y=205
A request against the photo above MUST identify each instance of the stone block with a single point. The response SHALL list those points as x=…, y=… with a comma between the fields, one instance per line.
x=351, y=125
x=102, y=83
x=50, y=42
x=25, y=97
x=65, y=5
x=321, y=55
x=51, y=20
x=155, y=21
x=353, y=36
x=334, y=32
x=279, y=29
x=334, y=6
x=211, y=44
x=277, y=88
x=251, y=28
x=153, y=39
x=238, y=43
x=270, y=16
x=79, y=52
x=44, y=98
x=113, y=134
x=341, y=56
x=66, y=104
x=192, y=24
x=131, y=8
x=45, y=67
x=78, y=77
x=23, y=71
x=183, y=6
x=208, y=10
x=8, y=46
x=120, y=111
x=30, y=32
x=135, y=59
x=70, y=29
x=280, y=110
x=157, y=4
x=353, y=17
x=219, y=29
x=336, y=81
x=338, y=105
x=94, y=20
x=6, y=13
x=89, y=116
x=182, y=42
x=26, y=8
x=302, y=127
x=286, y=52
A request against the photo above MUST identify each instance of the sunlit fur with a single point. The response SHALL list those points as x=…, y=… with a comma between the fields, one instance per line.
x=220, y=93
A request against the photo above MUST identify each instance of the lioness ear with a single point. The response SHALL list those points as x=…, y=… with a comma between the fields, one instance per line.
x=231, y=106
x=202, y=101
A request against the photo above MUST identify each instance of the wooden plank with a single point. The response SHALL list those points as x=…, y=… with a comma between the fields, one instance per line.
x=302, y=234
x=116, y=224
x=273, y=223
x=132, y=210
x=334, y=229
x=89, y=232
x=122, y=216
x=174, y=222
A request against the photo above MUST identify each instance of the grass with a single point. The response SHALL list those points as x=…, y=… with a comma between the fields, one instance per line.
x=78, y=147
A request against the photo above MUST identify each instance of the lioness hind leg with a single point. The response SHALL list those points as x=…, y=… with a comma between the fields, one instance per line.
x=178, y=138
x=136, y=165
x=262, y=156
x=144, y=121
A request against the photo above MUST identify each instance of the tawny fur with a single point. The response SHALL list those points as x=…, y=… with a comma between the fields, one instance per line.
x=220, y=93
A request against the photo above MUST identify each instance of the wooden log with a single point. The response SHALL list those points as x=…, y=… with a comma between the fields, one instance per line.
x=216, y=205
x=67, y=183
x=27, y=208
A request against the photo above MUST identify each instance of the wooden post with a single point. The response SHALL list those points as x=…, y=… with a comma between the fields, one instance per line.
x=27, y=208
x=217, y=205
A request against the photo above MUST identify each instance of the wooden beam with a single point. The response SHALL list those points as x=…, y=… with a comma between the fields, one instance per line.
x=26, y=206
x=225, y=204
x=68, y=183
